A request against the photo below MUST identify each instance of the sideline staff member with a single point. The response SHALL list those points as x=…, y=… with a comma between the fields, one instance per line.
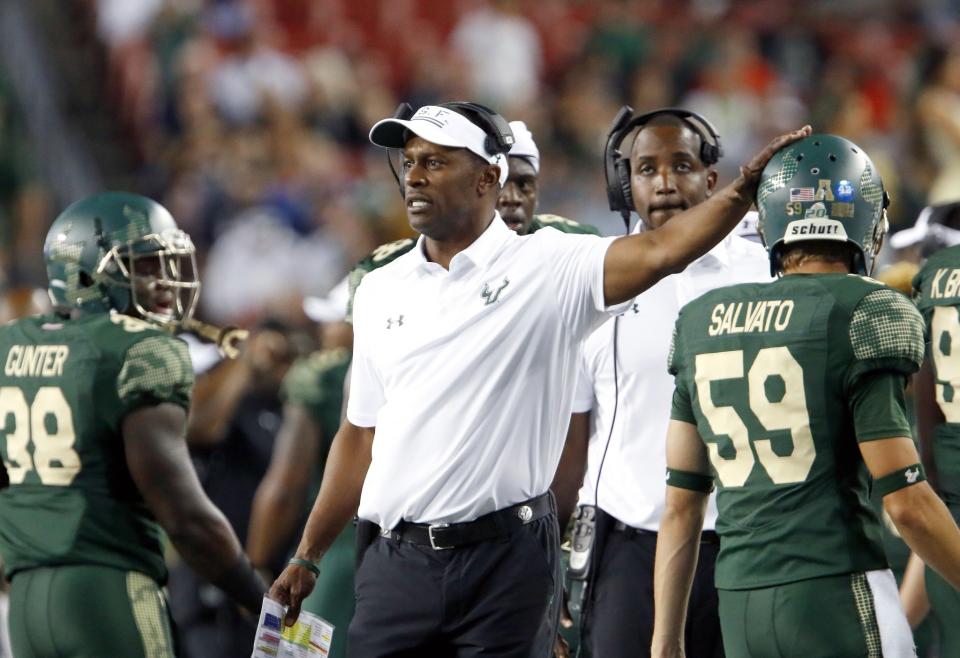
x=464, y=355
x=670, y=171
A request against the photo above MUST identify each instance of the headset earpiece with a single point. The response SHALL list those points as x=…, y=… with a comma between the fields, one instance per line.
x=709, y=153
x=617, y=167
x=499, y=139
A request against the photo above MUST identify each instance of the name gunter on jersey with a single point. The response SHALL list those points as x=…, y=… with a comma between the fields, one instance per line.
x=36, y=360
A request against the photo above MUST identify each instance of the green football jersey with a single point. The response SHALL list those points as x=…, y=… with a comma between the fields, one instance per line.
x=316, y=383
x=65, y=389
x=937, y=286
x=782, y=380
x=391, y=251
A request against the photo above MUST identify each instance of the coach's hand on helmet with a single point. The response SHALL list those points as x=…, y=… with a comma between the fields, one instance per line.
x=750, y=173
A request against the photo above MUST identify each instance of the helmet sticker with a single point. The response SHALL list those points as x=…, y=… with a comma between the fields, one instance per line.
x=824, y=192
x=841, y=209
x=817, y=210
x=844, y=191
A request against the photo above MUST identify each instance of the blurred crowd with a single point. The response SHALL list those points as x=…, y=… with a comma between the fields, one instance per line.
x=248, y=118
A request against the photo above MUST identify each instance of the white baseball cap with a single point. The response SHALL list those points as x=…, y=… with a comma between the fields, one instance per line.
x=438, y=125
x=523, y=145
x=332, y=308
x=928, y=225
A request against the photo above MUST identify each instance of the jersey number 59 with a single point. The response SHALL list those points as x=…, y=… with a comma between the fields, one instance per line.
x=789, y=413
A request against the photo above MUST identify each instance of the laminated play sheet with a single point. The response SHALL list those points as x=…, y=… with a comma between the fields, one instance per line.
x=309, y=637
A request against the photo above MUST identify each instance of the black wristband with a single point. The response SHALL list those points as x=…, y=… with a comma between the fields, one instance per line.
x=899, y=479
x=688, y=480
x=243, y=585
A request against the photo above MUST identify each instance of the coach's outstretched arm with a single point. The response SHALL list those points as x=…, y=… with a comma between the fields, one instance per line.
x=636, y=262
x=337, y=502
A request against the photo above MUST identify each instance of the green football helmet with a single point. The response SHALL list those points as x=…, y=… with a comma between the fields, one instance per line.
x=121, y=252
x=823, y=187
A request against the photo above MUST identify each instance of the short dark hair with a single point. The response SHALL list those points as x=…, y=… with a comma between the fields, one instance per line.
x=796, y=254
x=669, y=121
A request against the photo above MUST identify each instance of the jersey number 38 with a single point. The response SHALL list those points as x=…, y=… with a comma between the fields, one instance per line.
x=48, y=424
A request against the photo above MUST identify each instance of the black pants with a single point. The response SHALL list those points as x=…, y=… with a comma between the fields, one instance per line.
x=485, y=599
x=620, y=624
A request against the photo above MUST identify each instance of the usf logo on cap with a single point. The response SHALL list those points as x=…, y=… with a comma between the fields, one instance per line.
x=438, y=125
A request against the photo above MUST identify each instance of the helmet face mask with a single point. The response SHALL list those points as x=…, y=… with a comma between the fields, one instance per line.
x=823, y=187
x=122, y=252
x=160, y=271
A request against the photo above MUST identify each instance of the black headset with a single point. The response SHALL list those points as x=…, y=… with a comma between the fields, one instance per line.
x=499, y=139
x=617, y=167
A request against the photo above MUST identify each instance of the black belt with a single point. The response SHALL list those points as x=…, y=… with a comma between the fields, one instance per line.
x=441, y=536
x=706, y=537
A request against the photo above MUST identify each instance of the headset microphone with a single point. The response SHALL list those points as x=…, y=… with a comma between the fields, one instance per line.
x=403, y=112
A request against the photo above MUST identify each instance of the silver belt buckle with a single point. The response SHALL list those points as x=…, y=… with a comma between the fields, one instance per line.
x=433, y=543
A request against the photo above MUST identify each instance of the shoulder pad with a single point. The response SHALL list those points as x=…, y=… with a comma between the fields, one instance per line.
x=156, y=368
x=382, y=255
x=309, y=379
x=131, y=324
x=562, y=224
x=886, y=325
x=324, y=360
x=390, y=251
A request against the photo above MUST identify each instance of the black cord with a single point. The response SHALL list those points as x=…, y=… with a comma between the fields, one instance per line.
x=396, y=176
x=603, y=459
x=616, y=386
x=613, y=417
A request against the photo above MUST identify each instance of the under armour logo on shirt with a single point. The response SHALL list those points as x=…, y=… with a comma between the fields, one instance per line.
x=912, y=475
x=395, y=322
x=490, y=296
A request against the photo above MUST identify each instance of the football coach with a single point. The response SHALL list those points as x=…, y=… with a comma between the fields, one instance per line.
x=464, y=363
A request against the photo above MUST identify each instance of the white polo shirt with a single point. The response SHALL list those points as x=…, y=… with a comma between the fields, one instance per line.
x=468, y=375
x=632, y=482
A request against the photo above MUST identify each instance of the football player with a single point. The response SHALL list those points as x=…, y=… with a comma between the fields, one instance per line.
x=93, y=408
x=789, y=398
x=937, y=396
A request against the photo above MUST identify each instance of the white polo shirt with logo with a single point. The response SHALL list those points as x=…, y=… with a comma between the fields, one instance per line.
x=632, y=488
x=468, y=375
